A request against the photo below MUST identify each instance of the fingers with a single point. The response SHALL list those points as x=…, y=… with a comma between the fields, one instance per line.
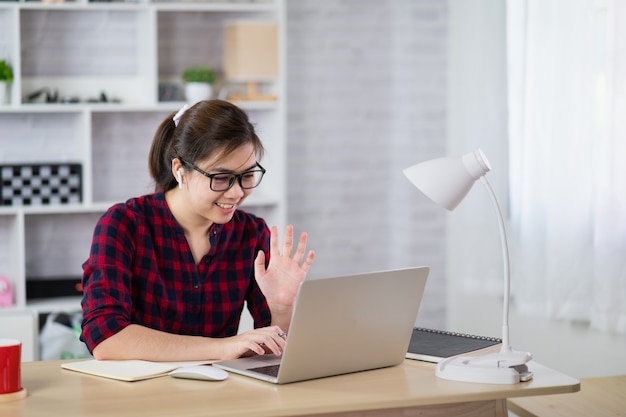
x=274, y=249
x=298, y=256
x=267, y=340
x=288, y=243
x=300, y=251
x=306, y=265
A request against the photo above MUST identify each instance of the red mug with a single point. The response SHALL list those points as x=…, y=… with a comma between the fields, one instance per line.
x=10, y=362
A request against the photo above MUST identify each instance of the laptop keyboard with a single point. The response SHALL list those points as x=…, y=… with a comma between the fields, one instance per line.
x=271, y=370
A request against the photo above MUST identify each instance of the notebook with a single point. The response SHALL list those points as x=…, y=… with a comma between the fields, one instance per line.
x=342, y=325
x=127, y=370
x=432, y=345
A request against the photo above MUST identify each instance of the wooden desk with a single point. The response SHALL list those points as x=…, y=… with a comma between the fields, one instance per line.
x=391, y=391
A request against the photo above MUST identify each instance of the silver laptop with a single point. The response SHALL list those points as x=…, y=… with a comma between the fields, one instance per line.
x=342, y=325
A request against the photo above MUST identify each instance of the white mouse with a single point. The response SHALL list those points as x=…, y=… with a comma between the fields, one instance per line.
x=200, y=372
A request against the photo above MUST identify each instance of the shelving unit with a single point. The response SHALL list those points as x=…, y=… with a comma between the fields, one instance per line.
x=126, y=51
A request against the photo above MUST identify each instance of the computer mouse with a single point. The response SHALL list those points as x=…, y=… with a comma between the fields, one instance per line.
x=200, y=372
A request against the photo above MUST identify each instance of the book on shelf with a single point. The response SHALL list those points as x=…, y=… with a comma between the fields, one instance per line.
x=432, y=345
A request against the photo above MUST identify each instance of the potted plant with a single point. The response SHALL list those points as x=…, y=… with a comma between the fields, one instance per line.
x=199, y=83
x=6, y=77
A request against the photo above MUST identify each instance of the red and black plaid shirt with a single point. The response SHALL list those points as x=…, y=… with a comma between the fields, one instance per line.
x=141, y=271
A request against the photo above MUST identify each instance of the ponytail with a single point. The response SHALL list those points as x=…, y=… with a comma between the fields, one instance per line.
x=161, y=155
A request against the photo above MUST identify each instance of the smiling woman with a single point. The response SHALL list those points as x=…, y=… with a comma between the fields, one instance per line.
x=169, y=273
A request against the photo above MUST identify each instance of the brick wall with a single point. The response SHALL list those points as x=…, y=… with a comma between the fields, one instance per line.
x=367, y=98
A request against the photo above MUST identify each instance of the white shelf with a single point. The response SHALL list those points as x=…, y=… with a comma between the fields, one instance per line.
x=54, y=209
x=185, y=6
x=122, y=107
x=124, y=50
x=66, y=304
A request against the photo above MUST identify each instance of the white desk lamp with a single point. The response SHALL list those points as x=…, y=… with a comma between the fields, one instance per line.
x=447, y=181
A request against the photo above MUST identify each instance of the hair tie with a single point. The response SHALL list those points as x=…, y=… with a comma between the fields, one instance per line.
x=179, y=114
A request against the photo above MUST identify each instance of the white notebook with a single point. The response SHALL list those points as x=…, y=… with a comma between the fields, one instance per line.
x=127, y=370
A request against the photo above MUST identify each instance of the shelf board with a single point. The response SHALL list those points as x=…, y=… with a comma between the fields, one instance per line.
x=217, y=6
x=49, y=305
x=192, y=6
x=253, y=201
x=121, y=107
x=54, y=209
x=42, y=108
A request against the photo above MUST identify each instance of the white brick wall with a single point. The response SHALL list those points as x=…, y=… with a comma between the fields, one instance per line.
x=366, y=98
x=78, y=43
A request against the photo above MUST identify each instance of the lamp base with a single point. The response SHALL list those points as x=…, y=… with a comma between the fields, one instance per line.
x=507, y=367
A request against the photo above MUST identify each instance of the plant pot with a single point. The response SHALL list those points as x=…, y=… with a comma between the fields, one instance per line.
x=195, y=92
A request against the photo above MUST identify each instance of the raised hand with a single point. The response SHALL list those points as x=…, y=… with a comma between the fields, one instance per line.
x=281, y=280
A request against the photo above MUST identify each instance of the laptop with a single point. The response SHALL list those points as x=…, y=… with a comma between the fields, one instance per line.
x=342, y=325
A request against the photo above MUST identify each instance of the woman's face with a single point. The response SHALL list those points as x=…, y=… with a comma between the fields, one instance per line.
x=219, y=206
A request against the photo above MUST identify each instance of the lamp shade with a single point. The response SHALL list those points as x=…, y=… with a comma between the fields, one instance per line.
x=447, y=181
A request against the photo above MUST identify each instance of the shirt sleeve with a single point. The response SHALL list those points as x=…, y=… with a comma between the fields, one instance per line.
x=106, y=302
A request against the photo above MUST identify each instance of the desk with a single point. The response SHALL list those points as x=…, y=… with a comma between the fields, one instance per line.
x=598, y=397
x=408, y=389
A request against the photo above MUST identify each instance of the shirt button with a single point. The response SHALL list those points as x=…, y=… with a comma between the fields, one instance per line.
x=207, y=260
x=196, y=285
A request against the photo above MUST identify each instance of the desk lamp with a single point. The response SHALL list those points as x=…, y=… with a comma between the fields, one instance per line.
x=447, y=181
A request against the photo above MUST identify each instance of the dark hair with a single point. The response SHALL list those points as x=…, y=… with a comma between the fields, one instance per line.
x=206, y=129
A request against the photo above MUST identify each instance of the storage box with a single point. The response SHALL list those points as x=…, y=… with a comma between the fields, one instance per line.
x=40, y=184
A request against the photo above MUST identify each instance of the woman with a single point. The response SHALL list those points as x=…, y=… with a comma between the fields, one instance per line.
x=169, y=272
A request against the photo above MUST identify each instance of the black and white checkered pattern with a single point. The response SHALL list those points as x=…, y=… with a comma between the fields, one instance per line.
x=40, y=184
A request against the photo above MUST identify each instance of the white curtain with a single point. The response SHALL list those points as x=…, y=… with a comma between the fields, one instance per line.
x=567, y=124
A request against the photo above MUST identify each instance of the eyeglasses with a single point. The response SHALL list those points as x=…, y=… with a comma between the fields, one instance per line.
x=224, y=181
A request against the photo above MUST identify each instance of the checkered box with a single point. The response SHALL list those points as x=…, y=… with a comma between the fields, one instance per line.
x=40, y=184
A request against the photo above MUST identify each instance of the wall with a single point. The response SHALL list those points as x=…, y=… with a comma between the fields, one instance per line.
x=476, y=117
x=366, y=98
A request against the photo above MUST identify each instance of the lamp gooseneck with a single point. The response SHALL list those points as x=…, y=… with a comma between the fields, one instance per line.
x=505, y=263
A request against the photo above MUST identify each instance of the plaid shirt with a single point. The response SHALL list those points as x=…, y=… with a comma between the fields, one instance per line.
x=141, y=270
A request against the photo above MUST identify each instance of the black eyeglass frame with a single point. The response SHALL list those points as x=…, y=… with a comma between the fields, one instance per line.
x=232, y=179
